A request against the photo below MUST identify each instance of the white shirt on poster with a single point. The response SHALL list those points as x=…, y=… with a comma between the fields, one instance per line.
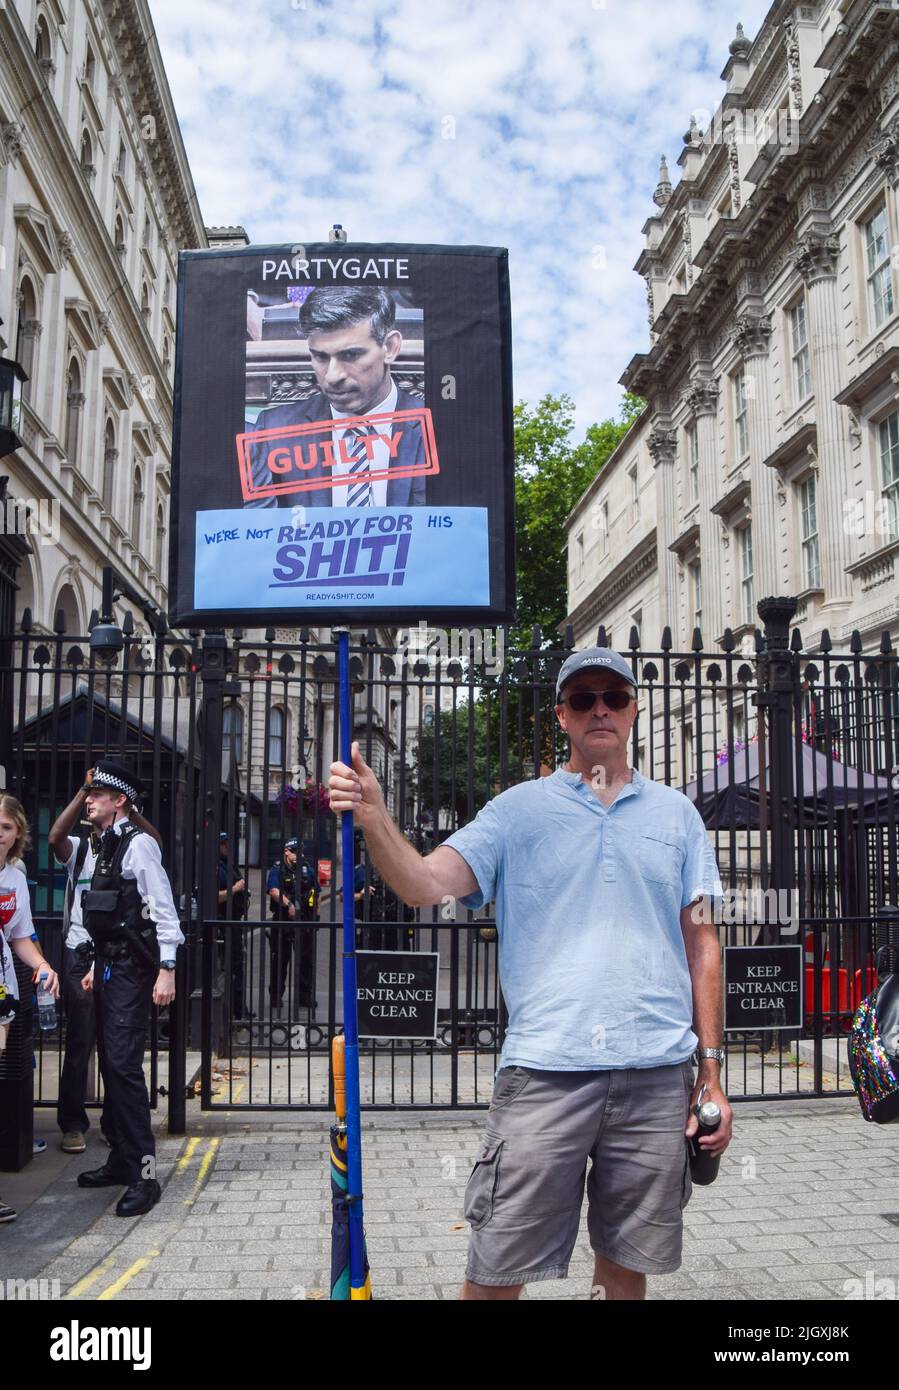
x=380, y=452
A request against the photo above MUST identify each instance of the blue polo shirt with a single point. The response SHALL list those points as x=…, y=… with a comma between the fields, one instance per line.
x=588, y=899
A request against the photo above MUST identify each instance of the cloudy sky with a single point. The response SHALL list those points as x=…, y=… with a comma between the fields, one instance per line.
x=520, y=123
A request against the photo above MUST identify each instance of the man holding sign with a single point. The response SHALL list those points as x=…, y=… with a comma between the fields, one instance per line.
x=608, y=964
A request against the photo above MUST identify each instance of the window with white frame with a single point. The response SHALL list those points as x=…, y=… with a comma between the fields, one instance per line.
x=889, y=471
x=635, y=494
x=579, y=556
x=877, y=267
x=741, y=414
x=604, y=527
x=747, y=608
x=694, y=575
x=808, y=526
x=692, y=464
x=276, y=737
x=232, y=731
x=802, y=367
x=27, y=334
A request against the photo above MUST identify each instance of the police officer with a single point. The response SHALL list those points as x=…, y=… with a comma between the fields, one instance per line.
x=79, y=854
x=130, y=915
x=293, y=889
x=232, y=880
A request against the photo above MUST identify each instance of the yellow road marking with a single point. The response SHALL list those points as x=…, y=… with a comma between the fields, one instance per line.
x=96, y=1273
x=188, y=1154
x=205, y=1165
x=124, y=1279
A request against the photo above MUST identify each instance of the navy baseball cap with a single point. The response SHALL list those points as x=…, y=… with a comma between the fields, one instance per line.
x=291, y=844
x=594, y=659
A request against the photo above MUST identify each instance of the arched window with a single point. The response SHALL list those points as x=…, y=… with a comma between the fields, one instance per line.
x=87, y=155
x=74, y=406
x=137, y=508
x=110, y=459
x=67, y=601
x=276, y=737
x=166, y=355
x=120, y=247
x=43, y=48
x=145, y=303
x=28, y=329
x=232, y=731
x=160, y=542
x=90, y=66
x=147, y=232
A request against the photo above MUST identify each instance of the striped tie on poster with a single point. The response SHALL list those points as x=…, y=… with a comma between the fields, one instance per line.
x=359, y=494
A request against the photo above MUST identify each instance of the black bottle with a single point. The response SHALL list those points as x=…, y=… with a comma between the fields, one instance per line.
x=704, y=1166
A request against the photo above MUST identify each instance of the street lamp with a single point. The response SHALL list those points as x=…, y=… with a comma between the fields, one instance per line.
x=306, y=742
x=12, y=378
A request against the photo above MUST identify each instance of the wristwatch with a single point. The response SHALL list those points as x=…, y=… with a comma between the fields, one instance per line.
x=715, y=1054
x=167, y=965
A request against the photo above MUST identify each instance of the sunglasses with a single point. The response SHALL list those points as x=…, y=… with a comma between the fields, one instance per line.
x=582, y=700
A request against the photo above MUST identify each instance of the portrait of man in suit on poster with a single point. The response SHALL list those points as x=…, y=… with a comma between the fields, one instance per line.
x=353, y=342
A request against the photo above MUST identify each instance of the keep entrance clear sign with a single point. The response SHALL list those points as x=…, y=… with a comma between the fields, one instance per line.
x=396, y=992
x=762, y=987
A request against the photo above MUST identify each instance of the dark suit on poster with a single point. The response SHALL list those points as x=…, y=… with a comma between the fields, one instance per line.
x=408, y=491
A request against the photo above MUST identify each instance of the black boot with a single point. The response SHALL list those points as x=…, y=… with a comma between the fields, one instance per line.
x=102, y=1177
x=139, y=1198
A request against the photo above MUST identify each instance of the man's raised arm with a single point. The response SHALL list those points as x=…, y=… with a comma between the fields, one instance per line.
x=420, y=880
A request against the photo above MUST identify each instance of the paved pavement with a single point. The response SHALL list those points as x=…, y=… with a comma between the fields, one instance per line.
x=806, y=1200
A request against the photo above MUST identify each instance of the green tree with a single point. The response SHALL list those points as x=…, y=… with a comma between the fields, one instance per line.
x=551, y=473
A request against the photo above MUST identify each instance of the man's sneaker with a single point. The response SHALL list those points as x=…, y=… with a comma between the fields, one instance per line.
x=7, y=1213
x=73, y=1142
x=38, y=1146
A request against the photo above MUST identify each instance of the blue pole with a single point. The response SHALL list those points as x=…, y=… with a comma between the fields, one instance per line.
x=350, y=1027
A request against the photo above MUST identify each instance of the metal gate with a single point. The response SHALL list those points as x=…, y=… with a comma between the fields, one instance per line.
x=790, y=757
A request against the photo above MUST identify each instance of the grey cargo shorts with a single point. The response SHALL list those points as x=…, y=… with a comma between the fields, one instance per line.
x=525, y=1193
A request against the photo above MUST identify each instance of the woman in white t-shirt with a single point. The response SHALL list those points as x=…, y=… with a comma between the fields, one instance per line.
x=16, y=926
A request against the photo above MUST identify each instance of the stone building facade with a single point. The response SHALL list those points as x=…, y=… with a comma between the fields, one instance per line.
x=96, y=199
x=767, y=459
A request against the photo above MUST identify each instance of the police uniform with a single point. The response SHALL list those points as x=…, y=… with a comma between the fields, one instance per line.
x=227, y=877
x=301, y=886
x=78, y=957
x=130, y=915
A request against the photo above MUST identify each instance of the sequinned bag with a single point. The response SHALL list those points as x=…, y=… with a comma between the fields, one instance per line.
x=873, y=1045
